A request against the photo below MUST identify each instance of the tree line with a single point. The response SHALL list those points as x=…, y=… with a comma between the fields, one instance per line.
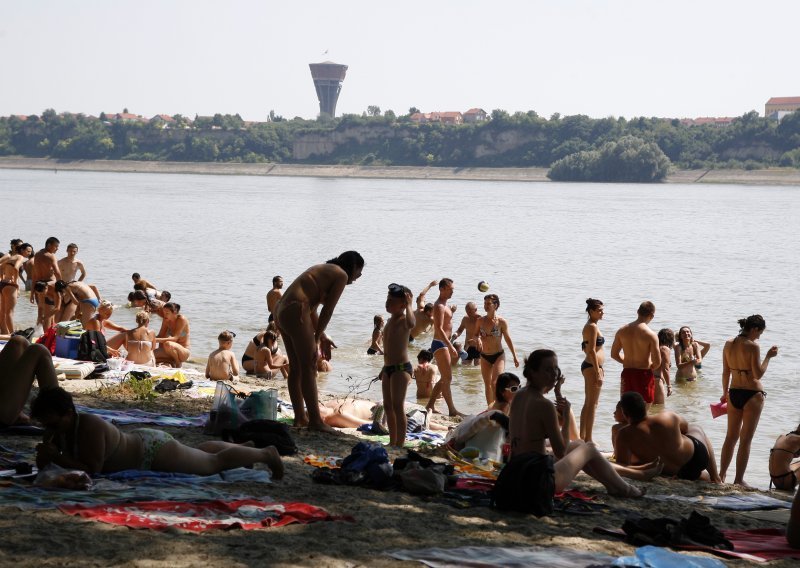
x=524, y=139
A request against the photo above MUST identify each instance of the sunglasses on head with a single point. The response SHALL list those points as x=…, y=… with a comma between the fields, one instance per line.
x=231, y=332
x=396, y=290
x=515, y=388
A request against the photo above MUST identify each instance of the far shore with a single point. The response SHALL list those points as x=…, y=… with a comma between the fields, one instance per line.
x=769, y=176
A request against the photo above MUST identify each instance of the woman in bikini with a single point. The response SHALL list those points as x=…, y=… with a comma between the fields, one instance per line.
x=262, y=356
x=173, y=337
x=101, y=322
x=666, y=342
x=9, y=285
x=140, y=343
x=782, y=467
x=491, y=332
x=742, y=370
x=688, y=355
x=89, y=443
x=592, y=366
x=303, y=330
x=534, y=419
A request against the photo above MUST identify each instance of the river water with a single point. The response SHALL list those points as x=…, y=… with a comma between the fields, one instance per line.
x=706, y=255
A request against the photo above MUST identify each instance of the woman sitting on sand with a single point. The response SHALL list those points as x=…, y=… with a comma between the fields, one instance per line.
x=262, y=356
x=141, y=341
x=592, y=366
x=534, y=419
x=491, y=332
x=89, y=443
x=173, y=337
x=742, y=370
x=687, y=355
x=100, y=322
x=782, y=465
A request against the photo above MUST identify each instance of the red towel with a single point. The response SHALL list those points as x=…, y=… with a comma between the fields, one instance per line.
x=768, y=544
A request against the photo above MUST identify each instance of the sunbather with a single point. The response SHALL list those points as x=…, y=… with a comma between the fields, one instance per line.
x=87, y=442
x=20, y=364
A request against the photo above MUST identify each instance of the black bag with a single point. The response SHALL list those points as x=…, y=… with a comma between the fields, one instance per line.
x=26, y=333
x=92, y=347
x=526, y=484
x=263, y=433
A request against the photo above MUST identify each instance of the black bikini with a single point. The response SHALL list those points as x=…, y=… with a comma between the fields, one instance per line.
x=600, y=342
x=402, y=367
x=789, y=473
x=492, y=358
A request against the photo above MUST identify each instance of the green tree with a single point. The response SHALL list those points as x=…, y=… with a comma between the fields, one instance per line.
x=373, y=110
x=628, y=159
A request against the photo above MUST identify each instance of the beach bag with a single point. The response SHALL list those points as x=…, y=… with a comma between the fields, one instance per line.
x=48, y=339
x=92, y=347
x=468, y=429
x=263, y=433
x=260, y=405
x=225, y=413
x=526, y=484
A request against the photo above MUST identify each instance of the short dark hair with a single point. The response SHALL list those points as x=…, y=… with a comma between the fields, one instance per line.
x=666, y=337
x=55, y=400
x=504, y=380
x=137, y=295
x=276, y=278
x=633, y=406
x=494, y=298
x=60, y=285
x=136, y=276
x=71, y=245
x=425, y=355
x=348, y=261
x=752, y=322
x=173, y=307
x=139, y=286
x=534, y=361
x=445, y=282
x=646, y=308
x=51, y=241
x=40, y=286
x=428, y=307
x=166, y=295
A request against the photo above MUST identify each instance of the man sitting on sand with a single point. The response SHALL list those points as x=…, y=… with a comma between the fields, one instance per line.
x=222, y=364
x=683, y=448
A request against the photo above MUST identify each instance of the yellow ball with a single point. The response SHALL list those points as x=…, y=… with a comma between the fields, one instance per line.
x=483, y=286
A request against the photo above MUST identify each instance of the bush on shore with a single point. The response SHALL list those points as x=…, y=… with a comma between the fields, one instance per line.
x=629, y=159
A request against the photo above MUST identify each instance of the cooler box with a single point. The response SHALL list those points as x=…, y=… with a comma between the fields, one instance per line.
x=67, y=347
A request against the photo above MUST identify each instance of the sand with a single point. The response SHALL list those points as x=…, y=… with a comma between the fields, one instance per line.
x=384, y=520
x=769, y=176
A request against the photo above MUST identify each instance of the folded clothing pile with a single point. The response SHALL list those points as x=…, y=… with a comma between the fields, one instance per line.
x=75, y=370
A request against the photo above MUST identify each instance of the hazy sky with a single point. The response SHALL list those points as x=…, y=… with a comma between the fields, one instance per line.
x=677, y=58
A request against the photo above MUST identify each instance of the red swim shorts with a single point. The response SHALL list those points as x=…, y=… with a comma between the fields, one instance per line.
x=641, y=381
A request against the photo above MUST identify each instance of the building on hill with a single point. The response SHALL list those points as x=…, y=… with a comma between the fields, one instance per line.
x=719, y=121
x=476, y=115
x=163, y=120
x=775, y=104
x=443, y=117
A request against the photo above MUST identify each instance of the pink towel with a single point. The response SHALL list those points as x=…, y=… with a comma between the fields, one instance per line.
x=718, y=409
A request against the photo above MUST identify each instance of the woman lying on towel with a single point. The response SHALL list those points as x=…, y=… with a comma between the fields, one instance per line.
x=534, y=419
x=87, y=442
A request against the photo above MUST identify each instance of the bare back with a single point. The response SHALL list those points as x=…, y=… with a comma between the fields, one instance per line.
x=639, y=345
x=741, y=359
x=656, y=436
x=533, y=420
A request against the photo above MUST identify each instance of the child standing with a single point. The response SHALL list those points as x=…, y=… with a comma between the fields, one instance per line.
x=425, y=374
x=396, y=373
x=377, y=336
x=222, y=364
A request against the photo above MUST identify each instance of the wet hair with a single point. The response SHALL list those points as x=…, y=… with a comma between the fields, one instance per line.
x=275, y=279
x=71, y=245
x=270, y=336
x=173, y=307
x=377, y=320
x=52, y=401
x=445, y=282
x=428, y=307
x=493, y=298
x=425, y=355
x=60, y=285
x=633, y=406
x=646, y=308
x=136, y=276
x=751, y=322
x=666, y=337
x=137, y=295
x=225, y=336
x=21, y=247
x=348, y=261
x=142, y=317
x=534, y=361
x=504, y=380
x=139, y=286
x=51, y=241
x=593, y=304
x=679, y=334
x=166, y=295
x=40, y=286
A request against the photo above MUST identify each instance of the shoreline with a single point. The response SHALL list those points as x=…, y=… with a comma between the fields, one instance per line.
x=770, y=176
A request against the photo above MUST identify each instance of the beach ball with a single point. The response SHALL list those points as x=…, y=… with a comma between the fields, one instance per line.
x=483, y=286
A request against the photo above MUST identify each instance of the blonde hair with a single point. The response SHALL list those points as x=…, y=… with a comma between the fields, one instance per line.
x=105, y=304
x=142, y=317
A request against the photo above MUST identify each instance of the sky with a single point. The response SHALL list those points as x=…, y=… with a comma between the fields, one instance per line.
x=677, y=59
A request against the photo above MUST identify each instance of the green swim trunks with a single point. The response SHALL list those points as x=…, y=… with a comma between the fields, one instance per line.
x=152, y=441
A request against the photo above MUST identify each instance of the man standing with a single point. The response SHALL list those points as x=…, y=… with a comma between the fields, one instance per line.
x=683, y=448
x=636, y=348
x=469, y=324
x=69, y=265
x=45, y=269
x=442, y=349
x=274, y=295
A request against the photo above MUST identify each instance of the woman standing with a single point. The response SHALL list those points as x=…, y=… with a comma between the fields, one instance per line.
x=9, y=285
x=666, y=342
x=491, y=332
x=303, y=330
x=592, y=366
x=742, y=370
x=687, y=355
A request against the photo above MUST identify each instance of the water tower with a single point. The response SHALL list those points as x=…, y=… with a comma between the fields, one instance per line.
x=328, y=77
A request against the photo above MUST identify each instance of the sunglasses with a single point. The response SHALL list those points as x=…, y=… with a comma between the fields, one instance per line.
x=232, y=333
x=515, y=388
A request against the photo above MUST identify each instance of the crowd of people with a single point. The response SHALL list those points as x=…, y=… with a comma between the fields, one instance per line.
x=536, y=430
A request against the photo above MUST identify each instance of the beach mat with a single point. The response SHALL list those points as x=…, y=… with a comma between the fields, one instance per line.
x=768, y=544
x=657, y=557
x=21, y=430
x=779, y=516
x=136, y=416
x=488, y=556
x=744, y=502
x=246, y=514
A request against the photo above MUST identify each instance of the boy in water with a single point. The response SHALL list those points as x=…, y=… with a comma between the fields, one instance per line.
x=396, y=373
x=222, y=364
x=425, y=374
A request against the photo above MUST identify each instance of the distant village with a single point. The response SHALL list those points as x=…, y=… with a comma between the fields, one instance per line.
x=775, y=108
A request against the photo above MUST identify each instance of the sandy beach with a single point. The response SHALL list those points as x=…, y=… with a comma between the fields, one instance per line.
x=771, y=176
x=384, y=521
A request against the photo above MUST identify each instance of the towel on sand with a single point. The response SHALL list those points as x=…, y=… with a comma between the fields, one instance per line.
x=488, y=556
x=247, y=514
x=136, y=416
x=743, y=502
